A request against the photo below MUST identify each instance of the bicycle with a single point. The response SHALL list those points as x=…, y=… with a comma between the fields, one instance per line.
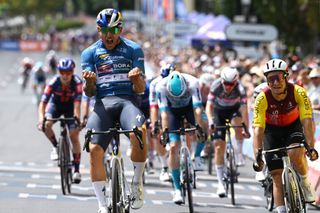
x=64, y=152
x=230, y=174
x=187, y=174
x=120, y=196
x=293, y=194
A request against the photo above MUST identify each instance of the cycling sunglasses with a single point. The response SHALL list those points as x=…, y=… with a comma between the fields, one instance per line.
x=279, y=77
x=66, y=72
x=112, y=30
x=230, y=84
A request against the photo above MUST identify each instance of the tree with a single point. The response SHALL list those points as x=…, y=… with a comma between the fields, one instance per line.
x=297, y=21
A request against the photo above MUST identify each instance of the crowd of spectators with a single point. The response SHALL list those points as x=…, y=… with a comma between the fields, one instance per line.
x=208, y=59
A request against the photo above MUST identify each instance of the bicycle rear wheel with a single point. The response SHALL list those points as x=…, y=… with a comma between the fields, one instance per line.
x=116, y=186
x=64, y=161
x=268, y=193
x=187, y=182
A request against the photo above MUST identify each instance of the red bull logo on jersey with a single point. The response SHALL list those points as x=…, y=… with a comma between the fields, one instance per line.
x=103, y=56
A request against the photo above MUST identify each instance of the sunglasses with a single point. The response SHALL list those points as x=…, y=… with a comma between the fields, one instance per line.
x=66, y=72
x=112, y=30
x=229, y=84
x=272, y=79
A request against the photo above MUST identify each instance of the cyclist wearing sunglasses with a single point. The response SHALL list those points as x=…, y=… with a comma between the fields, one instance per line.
x=113, y=69
x=62, y=96
x=283, y=116
x=227, y=100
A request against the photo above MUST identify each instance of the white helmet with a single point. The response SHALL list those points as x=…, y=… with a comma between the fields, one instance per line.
x=206, y=79
x=229, y=74
x=176, y=84
x=275, y=65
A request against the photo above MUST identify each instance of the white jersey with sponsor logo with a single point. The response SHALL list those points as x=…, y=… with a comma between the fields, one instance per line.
x=167, y=101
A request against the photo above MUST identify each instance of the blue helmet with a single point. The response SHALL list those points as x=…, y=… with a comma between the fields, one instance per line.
x=109, y=18
x=166, y=69
x=66, y=64
x=176, y=84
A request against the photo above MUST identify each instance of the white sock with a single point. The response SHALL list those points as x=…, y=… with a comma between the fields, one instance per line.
x=100, y=190
x=138, y=168
x=163, y=161
x=239, y=146
x=281, y=209
x=219, y=170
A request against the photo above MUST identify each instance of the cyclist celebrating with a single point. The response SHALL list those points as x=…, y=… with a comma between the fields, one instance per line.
x=178, y=96
x=154, y=117
x=62, y=96
x=227, y=100
x=113, y=69
x=283, y=116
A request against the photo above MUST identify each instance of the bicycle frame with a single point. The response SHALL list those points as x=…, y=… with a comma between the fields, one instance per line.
x=65, y=153
x=231, y=171
x=119, y=200
x=187, y=174
x=293, y=195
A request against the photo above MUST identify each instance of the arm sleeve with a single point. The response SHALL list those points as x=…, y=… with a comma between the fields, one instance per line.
x=259, y=111
x=195, y=93
x=303, y=101
x=161, y=96
x=87, y=62
x=138, y=59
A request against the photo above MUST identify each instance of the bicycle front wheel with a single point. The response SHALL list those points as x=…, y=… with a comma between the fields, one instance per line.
x=291, y=194
x=64, y=161
x=232, y=173
x=187, y=182
x=210, y=158
x=116, y=186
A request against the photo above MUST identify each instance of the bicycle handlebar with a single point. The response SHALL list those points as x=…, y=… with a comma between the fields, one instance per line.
x=113, y=131
x=61, y=119
x=164, y=139
x=283, y=148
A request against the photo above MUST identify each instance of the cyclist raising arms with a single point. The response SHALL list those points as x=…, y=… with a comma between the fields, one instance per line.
x=62, y=96
x=227, y=100
x=283, y=116
x=113, y=69
x=178, y=96
x=154, y=116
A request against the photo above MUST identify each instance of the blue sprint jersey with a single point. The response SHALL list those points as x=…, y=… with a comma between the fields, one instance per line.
x=112, y=66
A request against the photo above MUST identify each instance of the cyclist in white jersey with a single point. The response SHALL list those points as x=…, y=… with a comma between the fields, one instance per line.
x=154, y=116
x=179, y=95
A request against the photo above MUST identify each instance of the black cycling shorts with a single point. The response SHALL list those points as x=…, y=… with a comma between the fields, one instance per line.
x=220, y=117
x=110, y=110
x=53, y=111
x=277, y=137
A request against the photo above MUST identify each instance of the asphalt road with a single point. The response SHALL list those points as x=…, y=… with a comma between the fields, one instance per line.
x=30, y=181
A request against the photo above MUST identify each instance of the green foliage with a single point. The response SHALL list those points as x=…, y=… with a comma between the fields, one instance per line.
x=68, y=23
x=61, y=25
x=296, y=20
